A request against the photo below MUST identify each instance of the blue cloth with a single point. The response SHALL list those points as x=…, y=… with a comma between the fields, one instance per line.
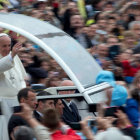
x=129, y=79
x=119, y=95
x=132, y=110
x=81, y=135
x=106, y=76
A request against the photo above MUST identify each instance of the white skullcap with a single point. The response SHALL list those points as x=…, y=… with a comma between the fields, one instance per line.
x=3, y=34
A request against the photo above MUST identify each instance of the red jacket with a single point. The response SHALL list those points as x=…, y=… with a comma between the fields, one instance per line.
x=70, y=135
x=129, y=70
x=55, y=4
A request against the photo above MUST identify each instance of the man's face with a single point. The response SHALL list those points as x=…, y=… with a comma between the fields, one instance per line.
x=112, y=41
x=31, y=100
x=102, y=24
x=76, y=21
x=93, y=28
x=67, y=83
x=48, y=104
x=102, y=50
x=71, y=6
x=67, y=92
x=5, y=45
x=108, y=7
x=59, y=107
x=136, y=30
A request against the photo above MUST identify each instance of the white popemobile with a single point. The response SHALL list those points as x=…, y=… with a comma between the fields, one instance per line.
x=79, y=65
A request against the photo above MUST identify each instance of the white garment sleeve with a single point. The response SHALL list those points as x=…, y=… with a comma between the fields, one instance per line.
x=112, y=133
x=6, y=63
x=42, y=133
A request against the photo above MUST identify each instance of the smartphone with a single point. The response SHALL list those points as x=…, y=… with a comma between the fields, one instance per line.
x=92, y=122
x=17, y=109
x=92, y=107
x=75, y=125
x=114, y=51
x=111, y=112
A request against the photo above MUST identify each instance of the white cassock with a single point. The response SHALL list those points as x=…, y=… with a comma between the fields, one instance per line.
x=12, y=74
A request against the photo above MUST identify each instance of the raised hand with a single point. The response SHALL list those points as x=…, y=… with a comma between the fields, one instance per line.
x=16, y=49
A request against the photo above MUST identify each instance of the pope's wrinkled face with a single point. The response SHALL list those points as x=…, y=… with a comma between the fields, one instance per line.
x=5, y=45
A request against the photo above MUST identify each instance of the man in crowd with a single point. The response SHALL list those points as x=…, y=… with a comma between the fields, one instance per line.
x=12, y=72
x=43, y=104
x=70, y=111
x=135, y=28
x=27, y=96
x=59, y=106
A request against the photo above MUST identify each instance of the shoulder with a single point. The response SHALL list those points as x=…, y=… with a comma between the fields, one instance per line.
x=131, y=102
x=16, y=119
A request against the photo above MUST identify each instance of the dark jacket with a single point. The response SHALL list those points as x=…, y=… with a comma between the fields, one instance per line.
x=16, y=120
x=70, y=116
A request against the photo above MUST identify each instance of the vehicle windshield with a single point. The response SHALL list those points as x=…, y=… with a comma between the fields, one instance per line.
x=82, y=65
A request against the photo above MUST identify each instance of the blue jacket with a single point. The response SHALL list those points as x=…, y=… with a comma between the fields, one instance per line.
x=132, y=110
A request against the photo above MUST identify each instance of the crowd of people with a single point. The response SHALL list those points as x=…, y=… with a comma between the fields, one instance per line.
x=110, y=31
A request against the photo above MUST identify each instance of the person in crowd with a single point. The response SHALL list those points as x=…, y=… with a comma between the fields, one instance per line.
x=23, y=133
x=50, y=18
x=135, y=28
x=129, y=40
x=132, y=104
x=101, y=56
x=12, y=72
x=92, y=34
x=76, y=23
x=39, y=78
x=70, y=110
x=43, y=104
x=52, y=127
x=67, y=15
x=59, y=106
x=113, y=38
x=28, y=96
x=118, y=95
x=106, y=129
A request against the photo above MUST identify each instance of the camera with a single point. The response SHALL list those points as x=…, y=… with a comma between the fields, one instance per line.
x=75, y=125
x=17, y=109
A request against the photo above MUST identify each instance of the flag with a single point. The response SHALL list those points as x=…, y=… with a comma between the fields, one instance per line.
x=81, y=7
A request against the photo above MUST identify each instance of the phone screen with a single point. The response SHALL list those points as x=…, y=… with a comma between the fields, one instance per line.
x=92, y=107
x=111, y=112
x=17, y=109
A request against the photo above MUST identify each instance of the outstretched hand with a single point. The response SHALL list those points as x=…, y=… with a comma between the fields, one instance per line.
x=16, y=49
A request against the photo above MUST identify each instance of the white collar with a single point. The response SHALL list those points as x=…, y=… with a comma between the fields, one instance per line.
x=39, y=113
